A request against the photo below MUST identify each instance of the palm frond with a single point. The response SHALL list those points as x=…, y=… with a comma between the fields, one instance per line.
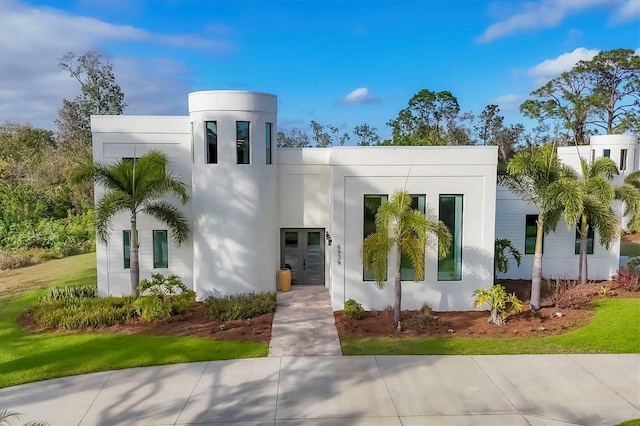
x=109, y=205
x=375, y=256
x=171, y=216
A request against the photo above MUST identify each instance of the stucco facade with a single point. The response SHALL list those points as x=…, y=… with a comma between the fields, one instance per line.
x=255, y=208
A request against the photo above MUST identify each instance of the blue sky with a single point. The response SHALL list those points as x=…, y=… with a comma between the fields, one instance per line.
x=336, y=62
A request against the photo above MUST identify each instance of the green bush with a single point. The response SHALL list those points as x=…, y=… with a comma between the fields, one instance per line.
x=70, y=292
x=162, y=297
x=240, y=306
x=353, y=310
x=78, y=313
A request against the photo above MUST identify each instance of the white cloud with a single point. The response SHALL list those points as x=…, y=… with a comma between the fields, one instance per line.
x=540, y=14
x=33, y=38
x=361, y=95
x=637, y=51
x=550, y=68
x=507, y=103
x=628, y=11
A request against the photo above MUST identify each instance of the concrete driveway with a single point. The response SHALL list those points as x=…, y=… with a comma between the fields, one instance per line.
x=381, y=390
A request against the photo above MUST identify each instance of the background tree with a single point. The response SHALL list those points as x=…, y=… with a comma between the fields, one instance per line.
x=539, y=178
x=366, y=135
x=99, y=94
x=614, y=79
x=400, y=228
x=135, y=187
x=294, y=138
x=425, y=120
x=565, y=99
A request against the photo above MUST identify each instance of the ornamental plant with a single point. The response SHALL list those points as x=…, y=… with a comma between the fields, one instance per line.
x=502, y=304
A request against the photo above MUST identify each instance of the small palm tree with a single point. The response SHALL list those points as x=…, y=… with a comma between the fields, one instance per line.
x=400, y=228
x=629, y=192
x=538, y=177
x=137, y=186
x=501, y=259
x=598, y=194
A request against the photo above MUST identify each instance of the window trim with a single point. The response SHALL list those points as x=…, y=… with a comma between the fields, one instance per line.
x=606, y=153
x=364, y=197
x=206, y=144
x=268, y=142
x=534, y=236
x=248, y=142
x=402, y=256
x=166, y=234
x=623, y=159
x=126, y=248
x=590, y=236
x=453, y=235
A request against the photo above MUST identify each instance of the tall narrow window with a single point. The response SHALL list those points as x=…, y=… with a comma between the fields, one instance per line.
x=371, y=205
x=126, y=248
x=211, y=128
x=593, y=155
x=623, y=159
x=160, y=249
x=450, y=212
x=531, y=229
x=606, y=153
x=242, y=142
x=406, y=269
x=268, y=131
x=590, y=235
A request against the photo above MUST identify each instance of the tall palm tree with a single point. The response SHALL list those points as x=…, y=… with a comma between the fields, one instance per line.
x=629, y=192
x=538, y=177
x=138, y=186
x=598, y=194
x=408, y=231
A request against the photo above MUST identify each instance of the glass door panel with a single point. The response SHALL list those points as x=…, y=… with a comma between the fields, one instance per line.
x=291, y=254
x=313, y=258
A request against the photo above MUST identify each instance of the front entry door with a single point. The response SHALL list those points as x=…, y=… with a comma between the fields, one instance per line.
x=303, y=251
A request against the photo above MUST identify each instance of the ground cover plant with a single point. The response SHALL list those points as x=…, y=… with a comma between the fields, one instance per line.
x=33, y=353
x=601, y=325
x=240, y=306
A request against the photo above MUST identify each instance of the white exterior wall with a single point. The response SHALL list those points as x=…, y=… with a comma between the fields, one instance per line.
x=235, y=234
x=115, y=137
x=559, y=258
x=433, y=171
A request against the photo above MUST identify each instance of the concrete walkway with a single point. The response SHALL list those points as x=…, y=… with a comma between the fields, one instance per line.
x=303, y=324
x=382, y=390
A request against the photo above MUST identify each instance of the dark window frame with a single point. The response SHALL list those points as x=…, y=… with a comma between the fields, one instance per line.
x=410, y=273
x=366, y=274
x=243, y=145
x=534, y=218
x=623, y=159
x=590, y=239
x=268, y=142
x=156, y=262
x=208, y=157
x=455, y=234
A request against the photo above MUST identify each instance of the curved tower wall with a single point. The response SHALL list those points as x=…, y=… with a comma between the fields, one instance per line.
x=235, y=233
x=615, y=144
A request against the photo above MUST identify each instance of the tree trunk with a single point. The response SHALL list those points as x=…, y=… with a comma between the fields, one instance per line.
x=584, y=232
x=536, y=275
x=134, y=264
x=398, y=292
x=495, y=318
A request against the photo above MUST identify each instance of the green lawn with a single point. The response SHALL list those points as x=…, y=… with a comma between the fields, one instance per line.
x=614, y=330
x=629, y=248
x=26, y=357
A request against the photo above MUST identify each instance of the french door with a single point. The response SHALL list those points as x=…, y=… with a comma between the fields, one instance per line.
x=303, y=251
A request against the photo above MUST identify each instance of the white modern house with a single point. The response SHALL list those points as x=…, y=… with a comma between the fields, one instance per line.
x=255, y=208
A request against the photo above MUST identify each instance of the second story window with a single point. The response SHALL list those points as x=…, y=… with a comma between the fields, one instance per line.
x=268, y=131
x=242, y=142
x=211, y=127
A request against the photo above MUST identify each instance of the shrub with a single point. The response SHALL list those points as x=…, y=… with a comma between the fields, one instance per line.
x=353, y=310
x=502, y=304
x=240, y=306
x=70, y=292
x=78, y=313
x=12, y=260
x=162, y=297
x=628, y=278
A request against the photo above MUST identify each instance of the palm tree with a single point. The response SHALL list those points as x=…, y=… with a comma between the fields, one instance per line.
x=629, y=192
x=137, y=186
x=538, y=177
x=598, y=194
x=408, y=231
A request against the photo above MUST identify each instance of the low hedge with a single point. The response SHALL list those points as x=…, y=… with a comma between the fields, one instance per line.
x=77, y=313
x=240, y=306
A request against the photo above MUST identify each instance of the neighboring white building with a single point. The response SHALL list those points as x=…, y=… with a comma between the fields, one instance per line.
x=255, y=208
